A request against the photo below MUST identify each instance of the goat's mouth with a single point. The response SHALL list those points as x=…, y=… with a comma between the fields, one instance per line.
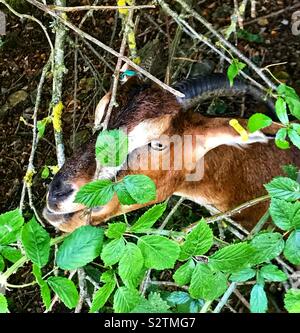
x=59, y=219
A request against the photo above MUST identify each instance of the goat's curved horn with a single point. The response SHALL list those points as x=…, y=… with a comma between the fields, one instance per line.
x=200, y=88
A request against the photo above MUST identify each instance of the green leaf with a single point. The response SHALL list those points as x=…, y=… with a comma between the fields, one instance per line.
x=258, y=121
x=113, y=251
x=294, y=137
x=184, y=273
x=258, y=299
x=267, y=245
x=291, y=171
x=45, y=172
x=80, y=247
x=154, y=304
x=102, y=295
x=65, y=289
x=3, y=304
x=123, y=195
x=272, y=273
x=115, y=230
x=284, y=188
x=10, y=225
x=292, y=248
x=282, y=212
x=292, y=301
x=107, y=276
x=125, y=299
x=234, y=69
x=111, y=147
x=280, y=108
x=280, y=139
x=140, y=187
x=96, y=193
x=178, y=297
x=36, y=242
x=207, y=283
x=291, y=98
x=232, y=257
x=146, y=221
x=159, y=252
x=244, y=34
x=41, y=126
x=11, y=254
x=2, y=264
x=243, y=275
x=130, y=265
x=197, y=242
x=45, y=291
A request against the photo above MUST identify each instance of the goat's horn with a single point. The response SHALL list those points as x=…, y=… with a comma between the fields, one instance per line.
x=200, y=88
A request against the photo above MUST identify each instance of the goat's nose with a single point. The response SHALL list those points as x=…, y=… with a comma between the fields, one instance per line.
x=59, y=190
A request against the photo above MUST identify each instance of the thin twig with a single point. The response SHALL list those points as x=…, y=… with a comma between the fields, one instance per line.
x=225, y=297
x=80, y=8
x=107, y=48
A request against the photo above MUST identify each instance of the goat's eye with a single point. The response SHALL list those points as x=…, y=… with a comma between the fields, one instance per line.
x=156, y=145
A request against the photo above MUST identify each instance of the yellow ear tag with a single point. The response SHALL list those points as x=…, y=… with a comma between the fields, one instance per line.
x=240, y=129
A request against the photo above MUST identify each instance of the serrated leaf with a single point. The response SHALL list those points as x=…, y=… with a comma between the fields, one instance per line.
x=234, y=69
x=111, y=147
x=267, y=246
x=65, y=289
x=45, y=291
x=280, y=139
x=294, y=137
x=80, y=247
x=178, y=297
x=291, y=98
x=102, y=295
x=282, y=213
x=258, y=299
x=147, y=220
x=125, y=299
x=154, y=304
x=284, y=188
x=184, y=273
x=258, y=121
x=243, y=275
x=281, y=111
x=272, y=273
x=115, y=230
x=140, y=187
x=292, y=248
x=292, y=300
x=130, y=265
x=10, y=225
x=107, y=276
x=3, y=304
x=232, y=257
x=159, y=252
x=113, y=251
x=197, y=242
x=36, y=242
x=207, y=283
x=11, y=253
x=96, y=193
x=123, y=195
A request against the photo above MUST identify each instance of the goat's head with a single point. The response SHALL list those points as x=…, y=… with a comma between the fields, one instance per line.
x=158, y=130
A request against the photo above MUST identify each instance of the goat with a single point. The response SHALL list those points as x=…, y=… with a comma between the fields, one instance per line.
x=234, y=171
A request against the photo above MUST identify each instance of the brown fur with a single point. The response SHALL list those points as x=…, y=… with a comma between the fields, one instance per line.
x=231, y=175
